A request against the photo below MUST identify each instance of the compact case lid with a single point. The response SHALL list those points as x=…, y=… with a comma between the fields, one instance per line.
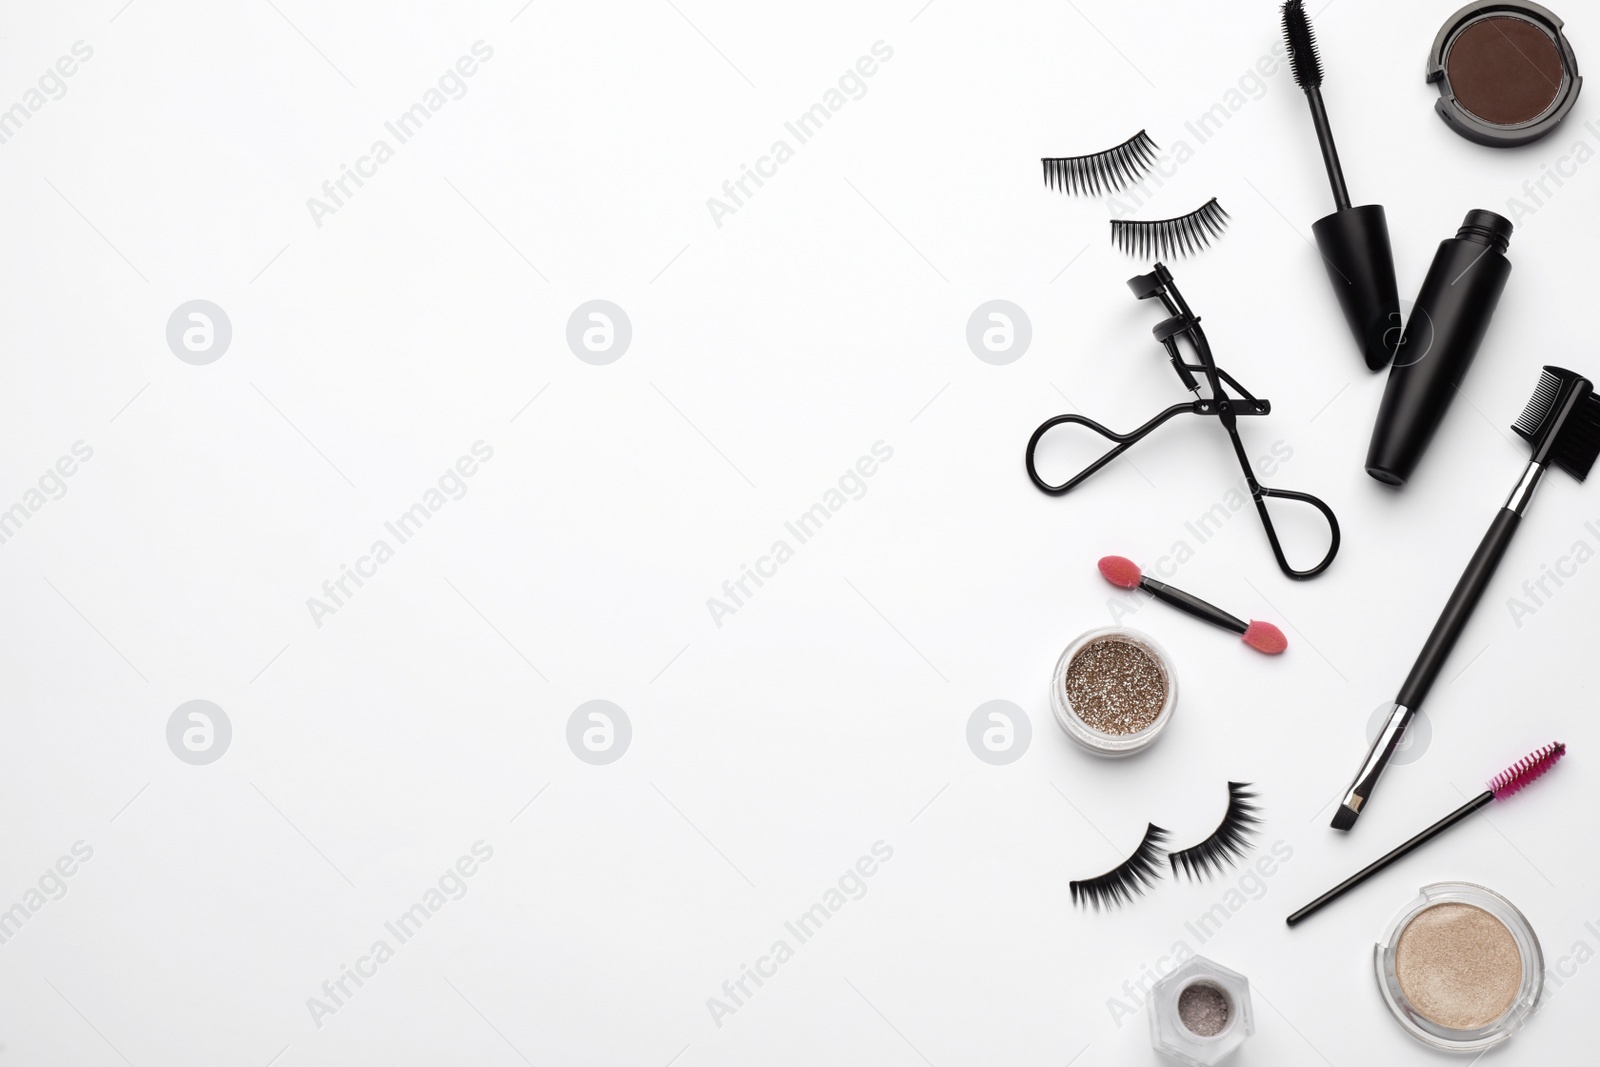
x=1510, y=87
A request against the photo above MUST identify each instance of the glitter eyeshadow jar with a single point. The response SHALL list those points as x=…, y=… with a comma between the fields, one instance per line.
x=1506, y=73
x=1114, y=691
x=1460, y=967
x=1200, y=1013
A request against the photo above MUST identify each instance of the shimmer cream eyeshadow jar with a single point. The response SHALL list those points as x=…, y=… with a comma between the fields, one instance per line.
x=1114, y=691
x=1460, y=968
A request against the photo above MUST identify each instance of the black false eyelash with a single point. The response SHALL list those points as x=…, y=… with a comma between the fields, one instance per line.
x=1102, y=172
x=1128, y=878
x=1228, y=843
x=1163, y=238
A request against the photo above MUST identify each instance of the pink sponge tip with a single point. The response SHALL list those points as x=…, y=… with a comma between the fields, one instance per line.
x=1265, y=637
x=1120, y=572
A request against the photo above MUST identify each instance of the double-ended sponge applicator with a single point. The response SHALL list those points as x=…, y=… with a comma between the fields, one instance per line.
x=1261, y=636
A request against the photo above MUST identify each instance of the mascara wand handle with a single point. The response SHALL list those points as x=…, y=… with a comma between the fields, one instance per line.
x=1330, y=154
x=1458, y=609
x=1480, y=801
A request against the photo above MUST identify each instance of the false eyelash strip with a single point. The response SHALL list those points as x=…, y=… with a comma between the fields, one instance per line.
x=1228, y=843
x=1102, y=172
x=1127, y=879
x=1163, y=238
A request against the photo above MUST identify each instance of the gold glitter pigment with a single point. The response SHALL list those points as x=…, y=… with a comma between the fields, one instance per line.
x=1458, y=966
x=1116, y=687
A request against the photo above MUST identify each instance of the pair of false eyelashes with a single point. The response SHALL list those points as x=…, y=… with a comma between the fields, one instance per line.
x=1114, y=170
x=1227, y=845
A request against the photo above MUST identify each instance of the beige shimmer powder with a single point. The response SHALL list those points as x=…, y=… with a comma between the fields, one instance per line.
x=1458, y=966
x=1115, y=687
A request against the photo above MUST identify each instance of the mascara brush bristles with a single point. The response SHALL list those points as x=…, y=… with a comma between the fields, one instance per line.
x=1302, y=46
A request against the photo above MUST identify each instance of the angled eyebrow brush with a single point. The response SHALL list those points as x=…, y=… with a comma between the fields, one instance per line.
x=1562, y=422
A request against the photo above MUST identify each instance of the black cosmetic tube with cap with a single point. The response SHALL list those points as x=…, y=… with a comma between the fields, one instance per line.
x=1442, y=335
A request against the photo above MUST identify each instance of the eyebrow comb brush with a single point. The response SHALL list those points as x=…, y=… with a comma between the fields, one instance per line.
x=1562, y=422
x=1354, y=241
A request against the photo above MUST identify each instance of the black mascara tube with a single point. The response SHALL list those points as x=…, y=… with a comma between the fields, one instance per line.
x=1442, y=335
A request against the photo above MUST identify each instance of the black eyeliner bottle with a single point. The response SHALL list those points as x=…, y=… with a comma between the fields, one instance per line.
x=1442, y=334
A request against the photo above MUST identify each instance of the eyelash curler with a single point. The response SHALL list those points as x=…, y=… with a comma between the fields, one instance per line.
x=1225, y=408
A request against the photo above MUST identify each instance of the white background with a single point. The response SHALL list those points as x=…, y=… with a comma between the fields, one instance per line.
x=768, y=354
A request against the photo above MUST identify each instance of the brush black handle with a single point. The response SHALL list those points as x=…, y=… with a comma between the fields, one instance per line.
x=1330, y=154
x=1458, y=609
x=1193, y=605
x=1473, y=805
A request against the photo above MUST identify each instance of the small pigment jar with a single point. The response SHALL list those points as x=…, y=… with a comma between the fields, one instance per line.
x=1200, y=1013
x=1460, y=968
x=1114, y=691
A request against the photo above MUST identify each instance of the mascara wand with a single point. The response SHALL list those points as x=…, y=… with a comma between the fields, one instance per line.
x=1513, y=778
x=1354, y=241
x=1308, y=75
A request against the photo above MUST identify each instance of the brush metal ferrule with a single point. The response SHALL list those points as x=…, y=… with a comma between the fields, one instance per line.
x=1522, y=495
x=1383, y=746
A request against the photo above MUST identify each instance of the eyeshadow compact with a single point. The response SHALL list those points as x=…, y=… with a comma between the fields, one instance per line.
x=1506, y=73
x=1114, y=691
x=1460, y=967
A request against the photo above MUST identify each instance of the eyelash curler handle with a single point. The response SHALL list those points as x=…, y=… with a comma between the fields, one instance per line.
x=1123, y=441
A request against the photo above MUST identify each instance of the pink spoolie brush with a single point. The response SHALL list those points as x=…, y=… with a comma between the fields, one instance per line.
x=1261, y=636
x=1507, y=782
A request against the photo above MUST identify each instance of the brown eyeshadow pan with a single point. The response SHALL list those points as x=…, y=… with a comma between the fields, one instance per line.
x=1504, y=70
x=1506, y=73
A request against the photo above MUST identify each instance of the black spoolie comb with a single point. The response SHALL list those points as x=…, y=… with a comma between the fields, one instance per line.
x=1228, y=843
x=1354, y=241
x=1101, y=172
x=1562, y=422
x=1164, y=238
x=1127, y=879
